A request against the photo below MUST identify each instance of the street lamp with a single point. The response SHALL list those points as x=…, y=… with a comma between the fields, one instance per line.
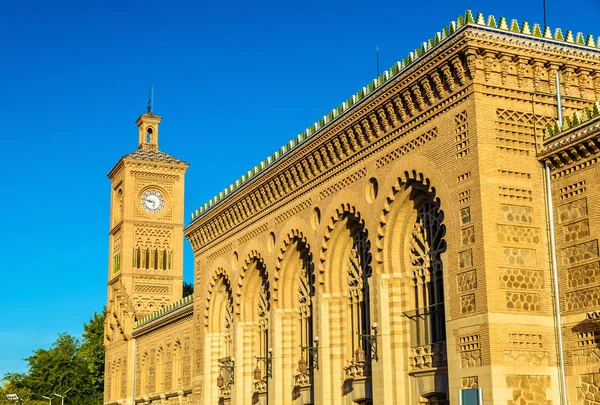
x=62, y=397
x=48, y=398
x=13, y=397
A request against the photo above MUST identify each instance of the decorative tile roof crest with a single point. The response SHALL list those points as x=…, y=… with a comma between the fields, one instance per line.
x=163, y=311
x=578, y=39
x=569, y=127
x=569, y=122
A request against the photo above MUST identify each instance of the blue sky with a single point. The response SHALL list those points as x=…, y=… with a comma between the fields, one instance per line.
x=234, y=81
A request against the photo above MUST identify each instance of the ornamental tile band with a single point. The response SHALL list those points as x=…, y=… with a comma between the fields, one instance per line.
x=490, y=24
x=163, y=311
x=557, y=135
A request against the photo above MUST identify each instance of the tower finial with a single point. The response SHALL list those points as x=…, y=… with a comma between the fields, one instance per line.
x=150, y=98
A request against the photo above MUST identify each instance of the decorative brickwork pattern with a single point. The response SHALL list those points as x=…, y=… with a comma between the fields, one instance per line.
x=515, y=194
x=467, y=304
x=577, y=230
x=588, y=347
x=518, y=234
x=470, y=382
x=521, y=279
x=219, y=252
x=573, y=211
x=462, y=135
x=522, y=301
x=464, y=196
x=463, y=177
x=589, y=389
x=573, y=190
x=528, y=389
x=465, y=215
x=470, y=351
x=409, y=146
x=516, y=213
x=514, y=175
x=465, y=259
x=519, y=257
x=253, y=234
x=579, y=253
x=526, y=349
x=582, y=299
x=466, y=281
x=342, y=183
x=468, y=236
x=152, y=289
x=293, y=211
x=583, y=275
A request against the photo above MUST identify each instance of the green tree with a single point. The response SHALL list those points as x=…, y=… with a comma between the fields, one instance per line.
x=188, y=289
x=68, y=364
x=92, y=352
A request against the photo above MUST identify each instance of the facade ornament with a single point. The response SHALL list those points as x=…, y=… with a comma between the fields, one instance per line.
x=368, y=133
x=596, y=80
x=471, y=55
x=392, y=114
x=538, y=73
x=583, y=78
x=337, y=145
x=505, y=65
x=295, y=175
x=448, y=76
x=345, y=144
x=409, y=103
x=312, y=164
x=439, y=85
x=522, y=63
x=553, y=68
x=332, y=155
x=384, y=120
x=375, y=124
x=400, y=108
x=428, y=91
x=351, y=136
x=418, y=96
x=568, y=75
x=360, y=137
x=459, y=69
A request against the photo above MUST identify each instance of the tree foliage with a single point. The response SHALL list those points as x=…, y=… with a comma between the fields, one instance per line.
x=70, y=363
x=188, y=289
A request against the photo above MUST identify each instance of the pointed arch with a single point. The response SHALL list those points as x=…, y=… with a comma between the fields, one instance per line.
x=344, y=225
x=219, y=277
x=249, y=287
x=286, y=274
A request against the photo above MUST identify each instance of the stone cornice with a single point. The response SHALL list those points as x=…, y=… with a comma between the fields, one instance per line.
x=497, y=38
x=571, y=147
x=390, y=111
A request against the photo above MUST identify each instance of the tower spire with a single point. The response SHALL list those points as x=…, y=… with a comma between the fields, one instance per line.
x=150, y=98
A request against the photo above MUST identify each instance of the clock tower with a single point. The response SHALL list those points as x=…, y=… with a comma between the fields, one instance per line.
x=145, y=271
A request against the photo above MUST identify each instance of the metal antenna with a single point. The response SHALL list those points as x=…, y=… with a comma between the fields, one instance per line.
x=377, y=58
x=545, y=25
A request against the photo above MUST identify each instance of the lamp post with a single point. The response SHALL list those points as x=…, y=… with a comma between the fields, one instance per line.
x=62, y=397
x=48, y=398
x=13, y=397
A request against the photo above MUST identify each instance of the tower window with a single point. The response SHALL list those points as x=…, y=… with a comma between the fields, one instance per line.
x=148, y=135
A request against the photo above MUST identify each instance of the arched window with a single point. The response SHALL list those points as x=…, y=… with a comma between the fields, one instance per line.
x=358, y=273
x=426, y=246
x=305, y=292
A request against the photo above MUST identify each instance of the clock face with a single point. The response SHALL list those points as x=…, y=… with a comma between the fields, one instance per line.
x=152, y=201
